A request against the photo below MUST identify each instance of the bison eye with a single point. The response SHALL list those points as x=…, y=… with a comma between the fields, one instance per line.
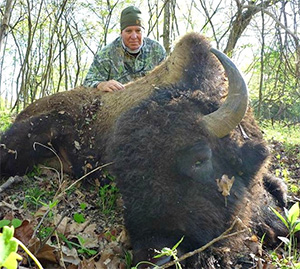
x=195, y=162
x=198, y=163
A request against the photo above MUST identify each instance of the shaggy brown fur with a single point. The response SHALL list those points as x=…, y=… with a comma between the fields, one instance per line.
x=88, y=116
x=165, y=160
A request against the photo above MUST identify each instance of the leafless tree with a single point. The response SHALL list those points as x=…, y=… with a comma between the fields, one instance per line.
x=51, y=45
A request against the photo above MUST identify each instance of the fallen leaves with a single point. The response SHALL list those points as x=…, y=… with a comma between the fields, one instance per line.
x=24, y=232
x=254, y=244
x=53, y=234
x=45, y=254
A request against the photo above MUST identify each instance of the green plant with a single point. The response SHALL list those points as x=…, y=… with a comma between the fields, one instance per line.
x=38, y=197
x=14, y=222
x=36, y=171
x=5, y=120
x=44, y=232
x=128, y=259
x=294, y=188
x=292, y=222
x=170, y=252
x=83, y=206
x=80, y=247
x=282, y=133
x=108, y=195
x=79, y=218
x=8, y=249
x=111, y=237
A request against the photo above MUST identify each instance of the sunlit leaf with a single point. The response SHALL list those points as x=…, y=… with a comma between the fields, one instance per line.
x=16, y=223
x=178, y=243
x=164, y=252
x=4, y=222
x=79, y=218
x=12, y=261
x=293, y=213
x=280, y=217
x=8, y=249
x=297, y=227
x=53, y=204
x=284, y=240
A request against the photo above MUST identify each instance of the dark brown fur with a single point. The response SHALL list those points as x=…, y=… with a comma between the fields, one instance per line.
x=165, y=160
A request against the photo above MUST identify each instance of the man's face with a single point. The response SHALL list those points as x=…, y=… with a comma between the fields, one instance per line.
x=132, y=37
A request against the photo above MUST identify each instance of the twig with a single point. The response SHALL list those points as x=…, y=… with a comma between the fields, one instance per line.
x=62, y=262
x=52, y=232
x=10, y=206
x=224, y=235
x=9, y=182
x=294, y=35
x=53, y=151
x=59, y=196
x=40, y=223
x=52, y=169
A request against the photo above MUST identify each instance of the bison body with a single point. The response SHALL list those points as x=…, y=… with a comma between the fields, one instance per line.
x=171, y=137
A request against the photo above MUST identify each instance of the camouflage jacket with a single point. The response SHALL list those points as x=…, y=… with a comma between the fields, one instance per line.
x=114, y=62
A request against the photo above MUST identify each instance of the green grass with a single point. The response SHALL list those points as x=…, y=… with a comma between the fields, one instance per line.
x=6, y=118
x=282, y=133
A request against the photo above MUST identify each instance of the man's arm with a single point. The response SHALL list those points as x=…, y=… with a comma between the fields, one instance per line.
x=99, y=72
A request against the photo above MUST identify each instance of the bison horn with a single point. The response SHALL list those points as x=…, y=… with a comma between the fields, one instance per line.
x=222, y=121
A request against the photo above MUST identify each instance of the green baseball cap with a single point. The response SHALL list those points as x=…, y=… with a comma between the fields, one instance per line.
x=131, y=16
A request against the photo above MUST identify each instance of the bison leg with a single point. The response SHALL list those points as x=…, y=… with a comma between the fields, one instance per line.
x=21, y=145
x=277, y=188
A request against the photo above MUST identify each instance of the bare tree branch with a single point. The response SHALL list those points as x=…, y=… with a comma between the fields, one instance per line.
x=242, y=20
x=258, y=8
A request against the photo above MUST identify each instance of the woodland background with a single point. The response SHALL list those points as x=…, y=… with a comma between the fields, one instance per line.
x=47, y=46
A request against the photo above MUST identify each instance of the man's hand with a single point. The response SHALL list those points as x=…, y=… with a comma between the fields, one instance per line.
x=110, y=86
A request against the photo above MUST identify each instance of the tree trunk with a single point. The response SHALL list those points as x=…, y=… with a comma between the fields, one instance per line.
x=5, y=21
x=167, y=25
x=261, y=81
x=242, y=21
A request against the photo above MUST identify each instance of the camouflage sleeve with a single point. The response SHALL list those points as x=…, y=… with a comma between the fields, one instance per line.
x=157, y=52
x=153, y=55
x=161, y=54
x=99, y=70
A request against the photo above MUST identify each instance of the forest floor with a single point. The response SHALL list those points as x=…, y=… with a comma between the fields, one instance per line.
x=80, y=225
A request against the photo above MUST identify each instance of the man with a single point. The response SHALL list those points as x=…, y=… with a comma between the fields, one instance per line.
x=128, y=57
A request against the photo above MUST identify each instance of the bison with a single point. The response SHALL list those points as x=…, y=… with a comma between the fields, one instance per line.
x=177, y=141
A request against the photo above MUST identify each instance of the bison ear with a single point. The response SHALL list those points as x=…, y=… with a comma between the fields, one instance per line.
x=254, y=155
